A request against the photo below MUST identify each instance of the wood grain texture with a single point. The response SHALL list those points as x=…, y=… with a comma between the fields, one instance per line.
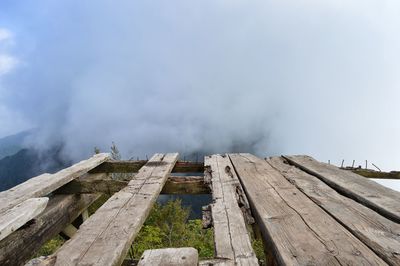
x=22, y=244
x=299, y=231
x=104, y=239
x=170, y=257
x=373, y=195
x=377, y=232
x=134, y=166
x=232, y=240
x=18, y=215
x=44, y=184
x=174, y=185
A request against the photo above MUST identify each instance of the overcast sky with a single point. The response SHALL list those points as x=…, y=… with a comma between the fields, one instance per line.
x=269, y=77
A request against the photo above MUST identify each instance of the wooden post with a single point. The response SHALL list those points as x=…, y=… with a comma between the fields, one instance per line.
x=85, y=215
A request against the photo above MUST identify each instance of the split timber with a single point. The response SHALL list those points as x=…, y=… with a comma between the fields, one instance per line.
x=308, y=212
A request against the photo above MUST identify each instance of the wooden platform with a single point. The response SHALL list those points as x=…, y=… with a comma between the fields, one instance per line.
x=308, y=212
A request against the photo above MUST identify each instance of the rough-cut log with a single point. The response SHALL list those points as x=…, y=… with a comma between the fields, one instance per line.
x=61, y=210
x=369, y=193
x=169, y=257
x=232, y=240
x=104, y=239
x=377, y=232
x=20, y=214
x=299, y=231
x=174, y=185
x=134, y=166
x=44, y=184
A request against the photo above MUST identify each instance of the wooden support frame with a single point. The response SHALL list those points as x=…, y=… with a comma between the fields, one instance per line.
x=134, y=166
x=44, y=184
x=174, y=185
x=104, y=239
x=60, y=211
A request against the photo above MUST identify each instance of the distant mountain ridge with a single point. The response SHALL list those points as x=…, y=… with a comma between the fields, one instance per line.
x=28, y=163
x=10, y=145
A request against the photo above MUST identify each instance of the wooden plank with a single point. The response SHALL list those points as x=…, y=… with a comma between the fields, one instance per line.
x=377, y=232
x=44, y=184
x=174, y=185
x=369, y=193
x=169, y=257
x=232, y=240
x=106, y=236
x=299, y=231
x=18, y=215
x=134, y=166
x=61, y=210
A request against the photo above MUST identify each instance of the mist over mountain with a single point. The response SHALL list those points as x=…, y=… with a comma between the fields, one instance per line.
x=28, y=163
x=267, y=77
x=10, y=145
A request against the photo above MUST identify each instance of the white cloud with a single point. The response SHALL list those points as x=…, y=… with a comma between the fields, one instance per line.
x=7, y=63
x=5, y=35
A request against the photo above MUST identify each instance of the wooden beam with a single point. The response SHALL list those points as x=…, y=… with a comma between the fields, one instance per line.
x=60, y=211
x=134, y=166
x=188, y=167
x=174, y=185
x=231, y=238
x=104, y=239
x=185, y=185
x=119, y=167
x=377, y=232
x=299, y=232
x=20, y=214
x=69, y=230
x=369, y=193
x=44, y=184
x=170, y=256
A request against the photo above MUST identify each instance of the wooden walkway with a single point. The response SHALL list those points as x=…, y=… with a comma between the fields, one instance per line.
x=308, y=212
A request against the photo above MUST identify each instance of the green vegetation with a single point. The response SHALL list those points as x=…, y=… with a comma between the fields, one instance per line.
x=168, y=226
x=51, y=246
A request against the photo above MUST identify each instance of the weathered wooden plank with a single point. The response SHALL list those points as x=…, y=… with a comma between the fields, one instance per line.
x=61, y=210
x=373, y=195
x=134, y=166
x=231, y=237
x=214, y=262
x=377, y=232
x=105, y=237
x=20, y=214
x=169, y=257
x=174, y=185
x=44, y=184
x=299, y=231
